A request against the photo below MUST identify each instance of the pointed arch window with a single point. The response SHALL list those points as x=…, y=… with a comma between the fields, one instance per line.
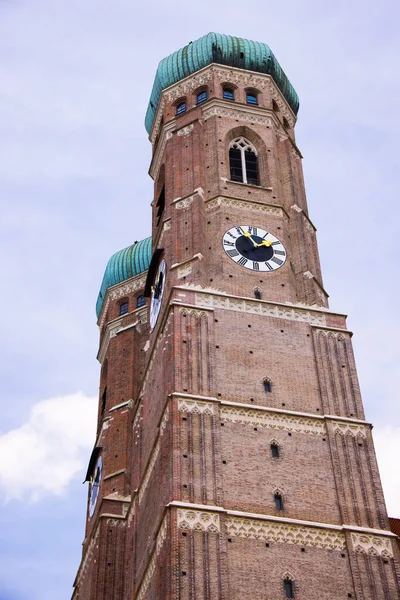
x=243, y=161
x=278, y=501
x=274, y=450
x=288, y=587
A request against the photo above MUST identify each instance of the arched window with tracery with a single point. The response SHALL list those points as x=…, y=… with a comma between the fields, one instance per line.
x=243, y=161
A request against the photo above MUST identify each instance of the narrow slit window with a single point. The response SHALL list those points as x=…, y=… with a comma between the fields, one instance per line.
x=243, y=162
x=181, y=108
x=257, y=294
x=288, y=587
x=228, y=94
x=286, y=124
x=275, y=106
x=141, y=301
x=275, y=450
x=123, y=308
x=278, y=501
x=104, y=400
x=251, y=98
x=160, y=206
x=201, y=97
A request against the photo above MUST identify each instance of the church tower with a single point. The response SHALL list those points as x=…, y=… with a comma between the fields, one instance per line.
x=233, y=459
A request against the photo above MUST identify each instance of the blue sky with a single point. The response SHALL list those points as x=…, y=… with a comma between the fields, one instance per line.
x=75, y=79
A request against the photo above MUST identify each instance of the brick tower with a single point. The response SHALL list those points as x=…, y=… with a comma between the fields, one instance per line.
x=232, y=458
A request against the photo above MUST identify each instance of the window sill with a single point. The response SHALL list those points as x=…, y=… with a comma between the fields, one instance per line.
x=252, y=185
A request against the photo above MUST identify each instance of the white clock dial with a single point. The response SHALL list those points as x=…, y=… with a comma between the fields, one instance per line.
x=157, y=293
x=95, y=486
x=254, y=248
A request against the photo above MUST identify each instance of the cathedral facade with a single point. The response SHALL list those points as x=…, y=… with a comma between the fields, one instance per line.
x=232, y=459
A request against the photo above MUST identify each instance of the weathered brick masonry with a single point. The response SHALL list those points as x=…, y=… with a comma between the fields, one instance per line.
x=186, y=505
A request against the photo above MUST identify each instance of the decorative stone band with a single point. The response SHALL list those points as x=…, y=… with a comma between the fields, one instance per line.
x=374, y=545
x=282, y=421
x=162, y=534
x=185, y=131
x=282, y=530
x=195, y=406
x=269, y=209
x=238, y=114
x=279, y=311
x=350, y=429
x=197, y=520
x=270, y=531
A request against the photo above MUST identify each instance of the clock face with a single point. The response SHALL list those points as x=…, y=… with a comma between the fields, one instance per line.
x=157, y=293
x=254, y=248
x=95, y=486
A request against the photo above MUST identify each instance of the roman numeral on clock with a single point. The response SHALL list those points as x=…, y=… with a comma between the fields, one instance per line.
x=275, y=243
x=252, y=230
x=256, y=266
x=227, y=243
x=242, y=261
x=278, y=261
x=281, y=252
x=233, y=253
x=268, y=265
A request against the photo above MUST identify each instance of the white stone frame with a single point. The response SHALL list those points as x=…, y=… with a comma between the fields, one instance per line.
x=237, y=144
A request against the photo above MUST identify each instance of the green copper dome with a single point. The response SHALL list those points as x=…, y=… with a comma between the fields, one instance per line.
x=223, y=50
x=124, y=264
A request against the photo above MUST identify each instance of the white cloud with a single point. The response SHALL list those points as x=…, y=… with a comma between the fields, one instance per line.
x=42, y=456
x=387, y=445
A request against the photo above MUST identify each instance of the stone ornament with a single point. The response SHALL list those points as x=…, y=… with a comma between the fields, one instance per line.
x=237, y=114
x=185, y=203
x=350, y=429
x=271, y=420
x=263, y=308
x=299, y=535
x=373, y=545
x=196, y=407
x=185, y=131
x=196, y=520
x=240, y=204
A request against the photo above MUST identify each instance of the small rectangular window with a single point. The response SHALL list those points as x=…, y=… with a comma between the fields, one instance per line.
x=123, y=309
x=141, y=301
x=267, y=386
x=181, y=108
x=201, y=97
x=228, y=94
x=251, y=99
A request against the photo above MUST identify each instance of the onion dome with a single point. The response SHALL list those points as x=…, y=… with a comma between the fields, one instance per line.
x=223, y=50
x=123, y=265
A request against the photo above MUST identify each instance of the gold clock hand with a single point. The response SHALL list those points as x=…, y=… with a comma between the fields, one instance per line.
x=247, y=234
x=265, y=243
